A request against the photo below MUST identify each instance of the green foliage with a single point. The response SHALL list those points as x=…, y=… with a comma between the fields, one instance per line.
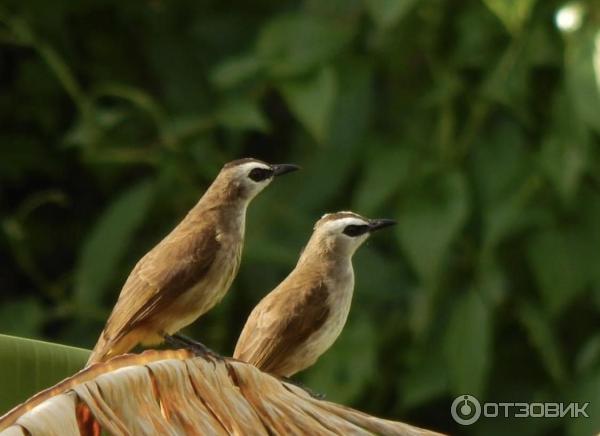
x=543, y=339
x=581, y=59
x=107, y=241
x=467, y=345
x=432, y=215
x=342, y=382
x=28, y=366
x=554, y=256
x=473, y=123
x=512, y=13
x=311, y=100
x=386, y=12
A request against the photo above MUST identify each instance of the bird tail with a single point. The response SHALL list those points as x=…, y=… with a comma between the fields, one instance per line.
x=100, y=351
x=107, y=347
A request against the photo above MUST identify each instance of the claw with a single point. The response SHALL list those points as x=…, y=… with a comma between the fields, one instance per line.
x=315, y=395
x=196, y=347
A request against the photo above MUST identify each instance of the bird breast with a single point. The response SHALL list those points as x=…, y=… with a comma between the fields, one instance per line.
x=339, y=301
x=209, y=291
x=341, y=288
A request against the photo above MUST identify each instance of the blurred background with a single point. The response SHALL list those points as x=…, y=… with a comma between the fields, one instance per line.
x=474, y=123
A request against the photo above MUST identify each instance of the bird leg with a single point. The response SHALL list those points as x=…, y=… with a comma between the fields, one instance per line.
x=315, y=395
x=181, y=341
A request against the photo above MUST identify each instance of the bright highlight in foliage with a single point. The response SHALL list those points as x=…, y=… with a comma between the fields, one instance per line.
x=569, y=17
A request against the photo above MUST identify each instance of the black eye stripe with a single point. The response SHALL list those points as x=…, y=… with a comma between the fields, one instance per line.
x=258, y=174
x=356, y=230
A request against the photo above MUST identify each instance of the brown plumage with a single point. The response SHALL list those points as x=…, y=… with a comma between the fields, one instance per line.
x=302, y=317
x=192, y=268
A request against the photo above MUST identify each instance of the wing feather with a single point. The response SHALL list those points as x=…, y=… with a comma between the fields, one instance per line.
x=282, y=322
x=175, y=265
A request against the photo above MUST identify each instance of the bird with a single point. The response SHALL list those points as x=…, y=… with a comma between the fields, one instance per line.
x=190, y=270
x=293, y=325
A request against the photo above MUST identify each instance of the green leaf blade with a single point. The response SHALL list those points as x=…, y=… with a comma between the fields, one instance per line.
x=28, y=366
x=296, y=44
x=386, y=13
x=431, y=219
x=468, y=345
x=108, y=241
x=312, y=100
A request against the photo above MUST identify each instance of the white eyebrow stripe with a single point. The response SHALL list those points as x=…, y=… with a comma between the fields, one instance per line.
x=348, y=212
x=251, y=165
x=347, y=221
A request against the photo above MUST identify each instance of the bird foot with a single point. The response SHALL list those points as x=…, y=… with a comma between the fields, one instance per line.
x=315, y=395
x=198, y=348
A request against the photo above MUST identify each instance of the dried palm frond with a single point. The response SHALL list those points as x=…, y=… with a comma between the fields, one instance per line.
x=178, y=393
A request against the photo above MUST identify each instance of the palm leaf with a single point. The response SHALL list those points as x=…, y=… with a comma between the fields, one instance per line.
x=27, y=366
x=176, y=392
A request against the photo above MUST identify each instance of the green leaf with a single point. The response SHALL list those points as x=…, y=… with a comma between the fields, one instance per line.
x=587, y=390
x=376, y=274
x=425, y=382
x=476, y=39
x=297, y=43
x=582, y=60
x=235, y=70
x=326, y=179
x=468, y=345
x=504, y=183
x=190, y=126
x=107, y=242
x=565, y=162
x=353, y=103
x=491, y=282
x=558, y=258
x=137, y=97
x=565, y=151
x=24, y=317
x=500, y=163
x=386, y=13
x=544, y=340
x=430, y=219
x=423, y=308
x=509, y=214
x=508, y=82
x=385, y=172
x=88, y=130
x=341, y=9
x=242, y=115
x=588, y=356
x=311, y=99
x=333, y=376
x=28, y=366
x=512, y=13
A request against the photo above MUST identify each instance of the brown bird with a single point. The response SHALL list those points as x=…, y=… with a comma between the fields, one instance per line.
x=192, y=268
x=302, y=317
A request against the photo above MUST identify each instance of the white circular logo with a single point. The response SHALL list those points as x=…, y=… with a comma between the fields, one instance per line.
x=466, y=409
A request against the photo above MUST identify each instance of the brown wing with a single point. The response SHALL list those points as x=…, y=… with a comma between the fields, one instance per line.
x=281, y=322
x=176, y=264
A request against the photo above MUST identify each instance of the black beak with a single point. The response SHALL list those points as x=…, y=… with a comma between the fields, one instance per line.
x=280, y=169
x=377, y=224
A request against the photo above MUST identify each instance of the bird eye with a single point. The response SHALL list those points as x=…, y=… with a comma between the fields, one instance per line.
x=259, y=174
x=355, y=230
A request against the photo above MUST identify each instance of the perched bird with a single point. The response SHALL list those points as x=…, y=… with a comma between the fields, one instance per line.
x=192, y=268
x=302, y=317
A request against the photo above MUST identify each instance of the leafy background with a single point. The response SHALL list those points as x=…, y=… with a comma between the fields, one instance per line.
x=474, y=123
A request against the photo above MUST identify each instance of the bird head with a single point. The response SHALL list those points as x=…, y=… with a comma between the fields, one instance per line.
x=245, y=178
x=344, y=232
